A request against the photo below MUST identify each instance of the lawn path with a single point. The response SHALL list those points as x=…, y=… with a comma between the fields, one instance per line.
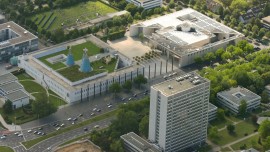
x=236, y=141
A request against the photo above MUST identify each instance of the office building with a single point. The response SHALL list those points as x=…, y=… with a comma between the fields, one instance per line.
x=179, y=112
x=134, y=143
x=146, y=4
x=185, y=35
x=15, y=40
x=231, y=99
x=212, y=112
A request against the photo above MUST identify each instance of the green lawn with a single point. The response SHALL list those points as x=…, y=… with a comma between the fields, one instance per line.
x=240, y=130
x=24, y=76
x=56, y=101
x=73, y=73
x=77, y=52
x=6, y=149
x=226, y=149
x=220, y=124
x=110, y=67
x=20, y=115
x=53, y=93
x=250, y=142
x=31, y=86
x=31, y=143
x=83, y=11
x=234, y=119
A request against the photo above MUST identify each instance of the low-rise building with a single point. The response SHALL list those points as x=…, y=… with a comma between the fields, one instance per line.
x=146, y=4
x=212, y=112
x=261, y=119
x=231, y=99
x=252, y=13
x=267, y=89
x=134, y=143
x=9, y=88
x=15, y=40
x=18, y=98
x=7, y=78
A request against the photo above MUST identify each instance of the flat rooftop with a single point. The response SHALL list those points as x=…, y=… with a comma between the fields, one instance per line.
x=238, y=94
x=11, y=86
x=49, y=73
x=179, y=84
x=201, y=22
x=139, y=142
x=24, y=35
x=5, y=78
x=211, y=107
x=266, y=19
x=16, y=95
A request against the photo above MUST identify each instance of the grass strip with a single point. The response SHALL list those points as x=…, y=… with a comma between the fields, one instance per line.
x=30, y=143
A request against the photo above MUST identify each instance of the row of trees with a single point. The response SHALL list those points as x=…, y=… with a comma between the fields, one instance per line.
x=116, y=87
x=133, y=117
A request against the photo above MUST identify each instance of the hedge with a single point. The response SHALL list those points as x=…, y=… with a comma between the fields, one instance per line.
x=116, y=35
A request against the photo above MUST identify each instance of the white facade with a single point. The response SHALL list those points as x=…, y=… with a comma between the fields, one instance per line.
x=18, y=98
x=146, y=4
x=179, y=113
x=231, y=99
x=185, y=45
x=20, y=102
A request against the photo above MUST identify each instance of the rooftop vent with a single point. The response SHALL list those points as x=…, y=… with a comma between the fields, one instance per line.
x=195, y=82
x=170, y=87
x=8, y=26
x=25, y=32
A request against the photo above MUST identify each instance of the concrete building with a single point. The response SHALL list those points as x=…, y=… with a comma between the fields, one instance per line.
x=15, y=40
x=18, y=98
x=231, y=99
x=134, y=143
x=179, y=112
x=212, y=112
x=185, y=35
x=7, y=78
x=267, y=89
x=146, y=4
x=72, y=91
x=9, y=88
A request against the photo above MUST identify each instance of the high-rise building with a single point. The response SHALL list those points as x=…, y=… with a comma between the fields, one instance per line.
x=179, y=112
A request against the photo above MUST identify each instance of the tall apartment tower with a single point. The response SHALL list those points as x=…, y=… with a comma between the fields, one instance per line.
x=179, y=112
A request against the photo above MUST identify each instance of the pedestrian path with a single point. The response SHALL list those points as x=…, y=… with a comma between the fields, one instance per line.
x=10, y=127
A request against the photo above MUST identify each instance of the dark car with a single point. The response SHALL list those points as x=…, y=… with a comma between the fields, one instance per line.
x=40, y=128
x=98, y=110
x=85, y=129
x=80, y=115
x=75, y=119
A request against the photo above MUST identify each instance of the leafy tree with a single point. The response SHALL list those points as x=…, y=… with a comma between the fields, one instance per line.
x=127, y=85
x=261, y=33
x=115, y=87
x=220, y=114
x=265, y=97
x=140, y=79
x=239, y=4
x=264, y=129
x=230, y=128
x=143, y=14
x=198, y=60
x=131, y=8
x=7, y=107
x=43, y=107
x=143, y=126
x=242, y=108
x=267, y=34
x=213, y=133
x=266, y=143
x=226, y=55
x=172, y=4
x=210, y=56
x=219, y=52
x=116, y=146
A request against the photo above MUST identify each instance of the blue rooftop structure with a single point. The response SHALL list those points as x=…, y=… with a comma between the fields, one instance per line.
x=85, y=66
x=70, y=58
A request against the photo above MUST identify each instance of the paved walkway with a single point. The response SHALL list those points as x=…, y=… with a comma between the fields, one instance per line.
x=9, y=127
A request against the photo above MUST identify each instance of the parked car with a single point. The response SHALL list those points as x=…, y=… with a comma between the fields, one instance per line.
x=123, y=99
x=92, y=114
x=29, y=131
x=62, y=125
x=69, y=119
x=109, y=106
x=16, y=133
x=20, y=135
x=8, y=67
x=80, y=115
x=75, y=119
x=129, y=99
x=85, y=129
x=96, y=126
x=98, y=110
x=3, y=137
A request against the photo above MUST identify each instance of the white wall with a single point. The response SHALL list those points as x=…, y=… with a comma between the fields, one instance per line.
x=21, y=102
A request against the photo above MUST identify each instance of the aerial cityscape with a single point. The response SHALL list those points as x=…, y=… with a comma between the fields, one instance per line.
x=134, y=75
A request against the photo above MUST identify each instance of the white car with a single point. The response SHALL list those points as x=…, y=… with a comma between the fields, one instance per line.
x=16, y=133
x=73, y=123
x=62, y=125
x=92, y=114
x=94, y=109
x=29, y=131
x=109, y=106
x=58, y=128
x=20, y=135
x=69, y=119
x=96, y=126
